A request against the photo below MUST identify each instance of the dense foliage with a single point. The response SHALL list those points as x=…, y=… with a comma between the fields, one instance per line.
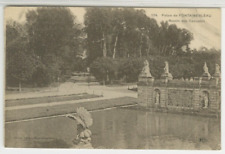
x=104, y=69
x=127, y=69
x=117, y=41
x=130, y=68
x=50, y=38
x=20, y=62
x=127, y=32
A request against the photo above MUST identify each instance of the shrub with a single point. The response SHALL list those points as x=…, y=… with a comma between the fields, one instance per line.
x=130, y=69
x=103, y=67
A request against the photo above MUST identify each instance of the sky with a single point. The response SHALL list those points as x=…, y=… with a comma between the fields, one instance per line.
x=205, y=24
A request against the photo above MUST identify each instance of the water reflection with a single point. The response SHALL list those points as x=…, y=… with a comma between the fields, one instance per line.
x=121, y=129
x=150, y=130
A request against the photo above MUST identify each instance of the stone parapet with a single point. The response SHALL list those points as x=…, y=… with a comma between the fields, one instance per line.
x=213, y=83
x=192, y=99
x=198, y=95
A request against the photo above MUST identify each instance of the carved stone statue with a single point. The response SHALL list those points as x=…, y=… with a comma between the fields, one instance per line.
x=205, y=100
x=84, y=121
x=157, y=97
x=146, y=70
x=205, y=68
x=166, y=68
x=167, y=75
x=217, y=71
x=206, y=75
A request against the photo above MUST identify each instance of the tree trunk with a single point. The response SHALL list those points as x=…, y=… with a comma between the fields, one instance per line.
x=104, y=46
x=114, y=50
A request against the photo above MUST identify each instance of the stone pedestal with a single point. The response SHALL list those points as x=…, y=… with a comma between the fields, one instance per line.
x=167, y=76
x=206, y=76
x=82, y=146
x=145, y=79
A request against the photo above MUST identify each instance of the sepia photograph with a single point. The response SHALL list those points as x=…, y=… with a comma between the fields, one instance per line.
x=112, y=78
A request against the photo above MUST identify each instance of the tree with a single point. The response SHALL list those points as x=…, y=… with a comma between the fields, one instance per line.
x=171, y=39
x=117, y=32
x=20, y=62
x=119, y=27
x=130, y=68
x=97, y=26
x=50, y=29
x=54, y=37
x=21, y=67
x=103, y=69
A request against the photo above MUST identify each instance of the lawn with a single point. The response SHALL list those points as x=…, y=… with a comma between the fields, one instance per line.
x=45, y=111
x=48, y=99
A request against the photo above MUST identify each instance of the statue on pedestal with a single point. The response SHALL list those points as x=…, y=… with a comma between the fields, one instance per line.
x=206, y=75
x=166, y=68
x=84, y=121
x=217, y=71
x=167, y=75
x=205, y=68
x=146, y=70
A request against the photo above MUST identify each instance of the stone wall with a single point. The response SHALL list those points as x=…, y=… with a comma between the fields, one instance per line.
x=179, y=95
x=201, y=94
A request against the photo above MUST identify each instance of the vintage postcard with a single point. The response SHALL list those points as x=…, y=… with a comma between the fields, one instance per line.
x=112, y=78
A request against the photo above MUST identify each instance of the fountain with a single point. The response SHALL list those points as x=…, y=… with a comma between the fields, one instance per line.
x=84, y=121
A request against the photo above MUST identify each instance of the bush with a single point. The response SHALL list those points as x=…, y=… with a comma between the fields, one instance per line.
x=130, y=69
x=103, y=69
x=46, y=74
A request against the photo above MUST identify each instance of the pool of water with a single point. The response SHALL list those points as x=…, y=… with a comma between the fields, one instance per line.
x=120, y=129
